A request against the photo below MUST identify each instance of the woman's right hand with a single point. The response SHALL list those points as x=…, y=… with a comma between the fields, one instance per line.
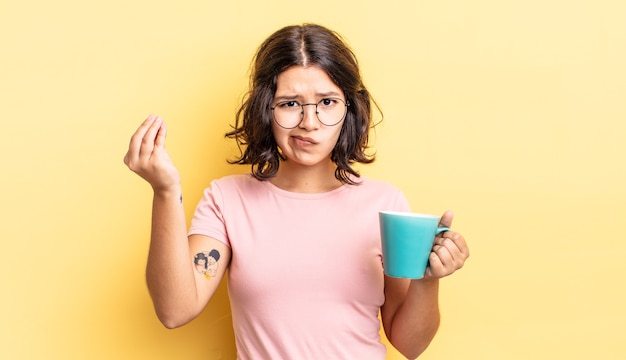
x=148, y=158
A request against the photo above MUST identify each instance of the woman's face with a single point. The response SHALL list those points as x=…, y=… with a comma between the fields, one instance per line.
x=311, y=142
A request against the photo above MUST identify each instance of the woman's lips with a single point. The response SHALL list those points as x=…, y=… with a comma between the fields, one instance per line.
x=301, y=140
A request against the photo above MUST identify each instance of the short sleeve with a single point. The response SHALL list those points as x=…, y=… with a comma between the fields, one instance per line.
x=401, y=203
x=208, y=218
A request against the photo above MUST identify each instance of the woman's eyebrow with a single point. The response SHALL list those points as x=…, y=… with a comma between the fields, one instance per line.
x=286, y=97
x=320, y=94
x=329, y=93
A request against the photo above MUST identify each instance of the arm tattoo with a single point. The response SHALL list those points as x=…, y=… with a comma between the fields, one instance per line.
x=206, y=263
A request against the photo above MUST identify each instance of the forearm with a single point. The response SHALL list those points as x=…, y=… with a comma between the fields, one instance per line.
x=168, y=272
x=417, y=319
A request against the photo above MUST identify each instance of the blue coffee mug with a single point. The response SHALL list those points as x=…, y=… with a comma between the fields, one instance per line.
x=407, y=240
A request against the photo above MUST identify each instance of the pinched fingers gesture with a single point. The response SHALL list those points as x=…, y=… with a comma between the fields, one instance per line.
x=449, y=251
x=147, y=156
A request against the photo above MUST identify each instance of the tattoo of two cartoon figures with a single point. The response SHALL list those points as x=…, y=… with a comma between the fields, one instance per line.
x=206, y=263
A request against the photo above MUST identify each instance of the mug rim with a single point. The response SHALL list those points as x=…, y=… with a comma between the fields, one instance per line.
x=409, y=214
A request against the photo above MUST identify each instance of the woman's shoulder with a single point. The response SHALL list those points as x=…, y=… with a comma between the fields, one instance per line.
x=238, y=182
x=235, y=179
x=378, y=194
x=371, y=184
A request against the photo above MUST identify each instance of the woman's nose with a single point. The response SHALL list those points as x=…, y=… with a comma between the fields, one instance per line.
x=309, y=116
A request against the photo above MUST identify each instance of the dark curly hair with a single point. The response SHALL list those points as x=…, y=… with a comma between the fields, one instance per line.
x=302, y=45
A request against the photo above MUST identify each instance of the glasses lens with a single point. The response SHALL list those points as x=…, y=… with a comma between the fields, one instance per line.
x=287, y=114
x=330, y=111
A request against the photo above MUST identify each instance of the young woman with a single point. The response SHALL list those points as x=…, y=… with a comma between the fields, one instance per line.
x=299, y=235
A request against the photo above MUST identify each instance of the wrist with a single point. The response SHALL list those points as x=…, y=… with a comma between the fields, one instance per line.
x=425, y=284
x=169, y=192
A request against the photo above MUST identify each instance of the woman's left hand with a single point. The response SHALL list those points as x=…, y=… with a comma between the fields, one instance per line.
x=449, y=251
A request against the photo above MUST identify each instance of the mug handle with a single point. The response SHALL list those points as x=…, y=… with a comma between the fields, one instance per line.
x=441, y=229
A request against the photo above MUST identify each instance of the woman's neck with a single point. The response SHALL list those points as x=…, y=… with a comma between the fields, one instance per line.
x=306, y=179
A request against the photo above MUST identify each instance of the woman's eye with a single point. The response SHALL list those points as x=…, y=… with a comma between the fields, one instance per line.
x=288, y=104
x=327, y=102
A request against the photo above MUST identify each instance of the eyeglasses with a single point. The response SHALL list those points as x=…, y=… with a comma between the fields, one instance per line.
x=330, y=112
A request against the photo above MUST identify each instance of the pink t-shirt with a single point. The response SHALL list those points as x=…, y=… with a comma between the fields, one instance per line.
x=305, y=278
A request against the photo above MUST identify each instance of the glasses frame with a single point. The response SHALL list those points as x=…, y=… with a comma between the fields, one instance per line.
x=346, y=103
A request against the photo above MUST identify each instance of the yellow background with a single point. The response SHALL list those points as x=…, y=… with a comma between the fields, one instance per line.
x=511, y=113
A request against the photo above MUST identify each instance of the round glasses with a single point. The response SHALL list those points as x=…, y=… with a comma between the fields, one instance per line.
x=330, y=112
